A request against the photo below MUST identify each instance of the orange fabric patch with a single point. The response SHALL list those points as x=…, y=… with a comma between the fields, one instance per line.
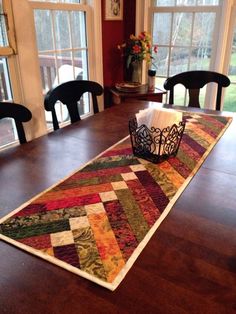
x=80, y=191
x=172, y=174
x=108, y=248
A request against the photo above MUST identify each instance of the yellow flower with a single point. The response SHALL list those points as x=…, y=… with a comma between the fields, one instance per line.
x=138, y=48
x=132, y=37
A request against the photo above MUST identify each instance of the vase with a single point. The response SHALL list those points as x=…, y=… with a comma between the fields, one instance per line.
x=136, y=71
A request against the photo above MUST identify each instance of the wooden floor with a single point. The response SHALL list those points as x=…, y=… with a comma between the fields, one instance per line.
x=189, y=266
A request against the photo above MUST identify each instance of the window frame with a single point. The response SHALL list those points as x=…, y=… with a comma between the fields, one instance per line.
x=223, y=11
x=25, y=69
x=11, y=48
x=91, y=31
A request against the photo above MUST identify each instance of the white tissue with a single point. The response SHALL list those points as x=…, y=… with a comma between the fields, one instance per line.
x=158, y=118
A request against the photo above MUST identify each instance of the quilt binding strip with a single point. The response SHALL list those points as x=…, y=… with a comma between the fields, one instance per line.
x=129, y=263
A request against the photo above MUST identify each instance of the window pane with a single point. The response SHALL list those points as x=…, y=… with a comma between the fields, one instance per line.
x=71, y=1
x=43, y=23
x=200, y=58
x=5, y=86
x=59, y=1
x=203, y=29
x=182, y=29
x=66, y=71
x=62, y=31
x=208, y=2
x=164, y=3
x=3, y=31
x=161, y=28
x=80, y=62
x=8, y=132
x=230, y=96
x=178, y=60
x=161, y=60
x=47, y=63
x=78, y=30
x=185, y=2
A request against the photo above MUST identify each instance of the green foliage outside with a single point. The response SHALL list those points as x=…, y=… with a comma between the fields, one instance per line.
x=230, y=93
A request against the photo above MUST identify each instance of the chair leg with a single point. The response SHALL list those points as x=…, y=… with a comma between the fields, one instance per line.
x=20, y=132
x=54, y=120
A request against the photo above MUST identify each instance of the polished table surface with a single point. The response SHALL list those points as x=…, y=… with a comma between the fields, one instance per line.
x=188, y=266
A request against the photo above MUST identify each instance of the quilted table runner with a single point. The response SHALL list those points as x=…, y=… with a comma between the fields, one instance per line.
x=96, y=222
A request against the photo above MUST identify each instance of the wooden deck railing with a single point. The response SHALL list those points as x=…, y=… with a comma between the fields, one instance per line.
x=48, y=69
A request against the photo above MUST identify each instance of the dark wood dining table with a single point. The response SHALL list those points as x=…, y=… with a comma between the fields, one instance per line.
x=188, y=266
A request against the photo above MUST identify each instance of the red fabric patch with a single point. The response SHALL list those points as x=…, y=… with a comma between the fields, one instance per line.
x=73, y=201
x=118, y=152
x=183, y=170
x=119, y=223
x=38, y=242
x=101, y=172
x=68, y=254
x=31, y=210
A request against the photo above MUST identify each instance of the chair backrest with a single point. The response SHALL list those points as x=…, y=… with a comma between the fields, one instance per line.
x=69, y=93
x=193, y=81
x=17, y=112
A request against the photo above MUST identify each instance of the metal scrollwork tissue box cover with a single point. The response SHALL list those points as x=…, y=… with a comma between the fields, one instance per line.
x=154, y=144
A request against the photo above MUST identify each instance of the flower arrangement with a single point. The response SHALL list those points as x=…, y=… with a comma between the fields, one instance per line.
x=138, y=48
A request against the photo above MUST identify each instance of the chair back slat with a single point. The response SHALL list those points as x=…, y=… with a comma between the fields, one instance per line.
x=73, y=111
x=194, y=97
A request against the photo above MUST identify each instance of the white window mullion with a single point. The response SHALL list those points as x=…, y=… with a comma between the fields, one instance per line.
x=191, y=39
x=71, y=43
x=52, y=13
x=170, y=44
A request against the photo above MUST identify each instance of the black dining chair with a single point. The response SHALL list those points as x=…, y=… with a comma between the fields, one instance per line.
x=193, y=81
x=17, y=112
x=69, y=93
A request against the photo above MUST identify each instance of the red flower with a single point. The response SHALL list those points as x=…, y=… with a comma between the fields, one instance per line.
x=136, y=48
x=155, y=48
x=142, y=35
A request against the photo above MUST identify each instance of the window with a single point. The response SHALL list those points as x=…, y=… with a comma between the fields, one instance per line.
x=8, y=132
x=7, y=36
x=23, y=82
x=62, y=49
x=184, y=31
